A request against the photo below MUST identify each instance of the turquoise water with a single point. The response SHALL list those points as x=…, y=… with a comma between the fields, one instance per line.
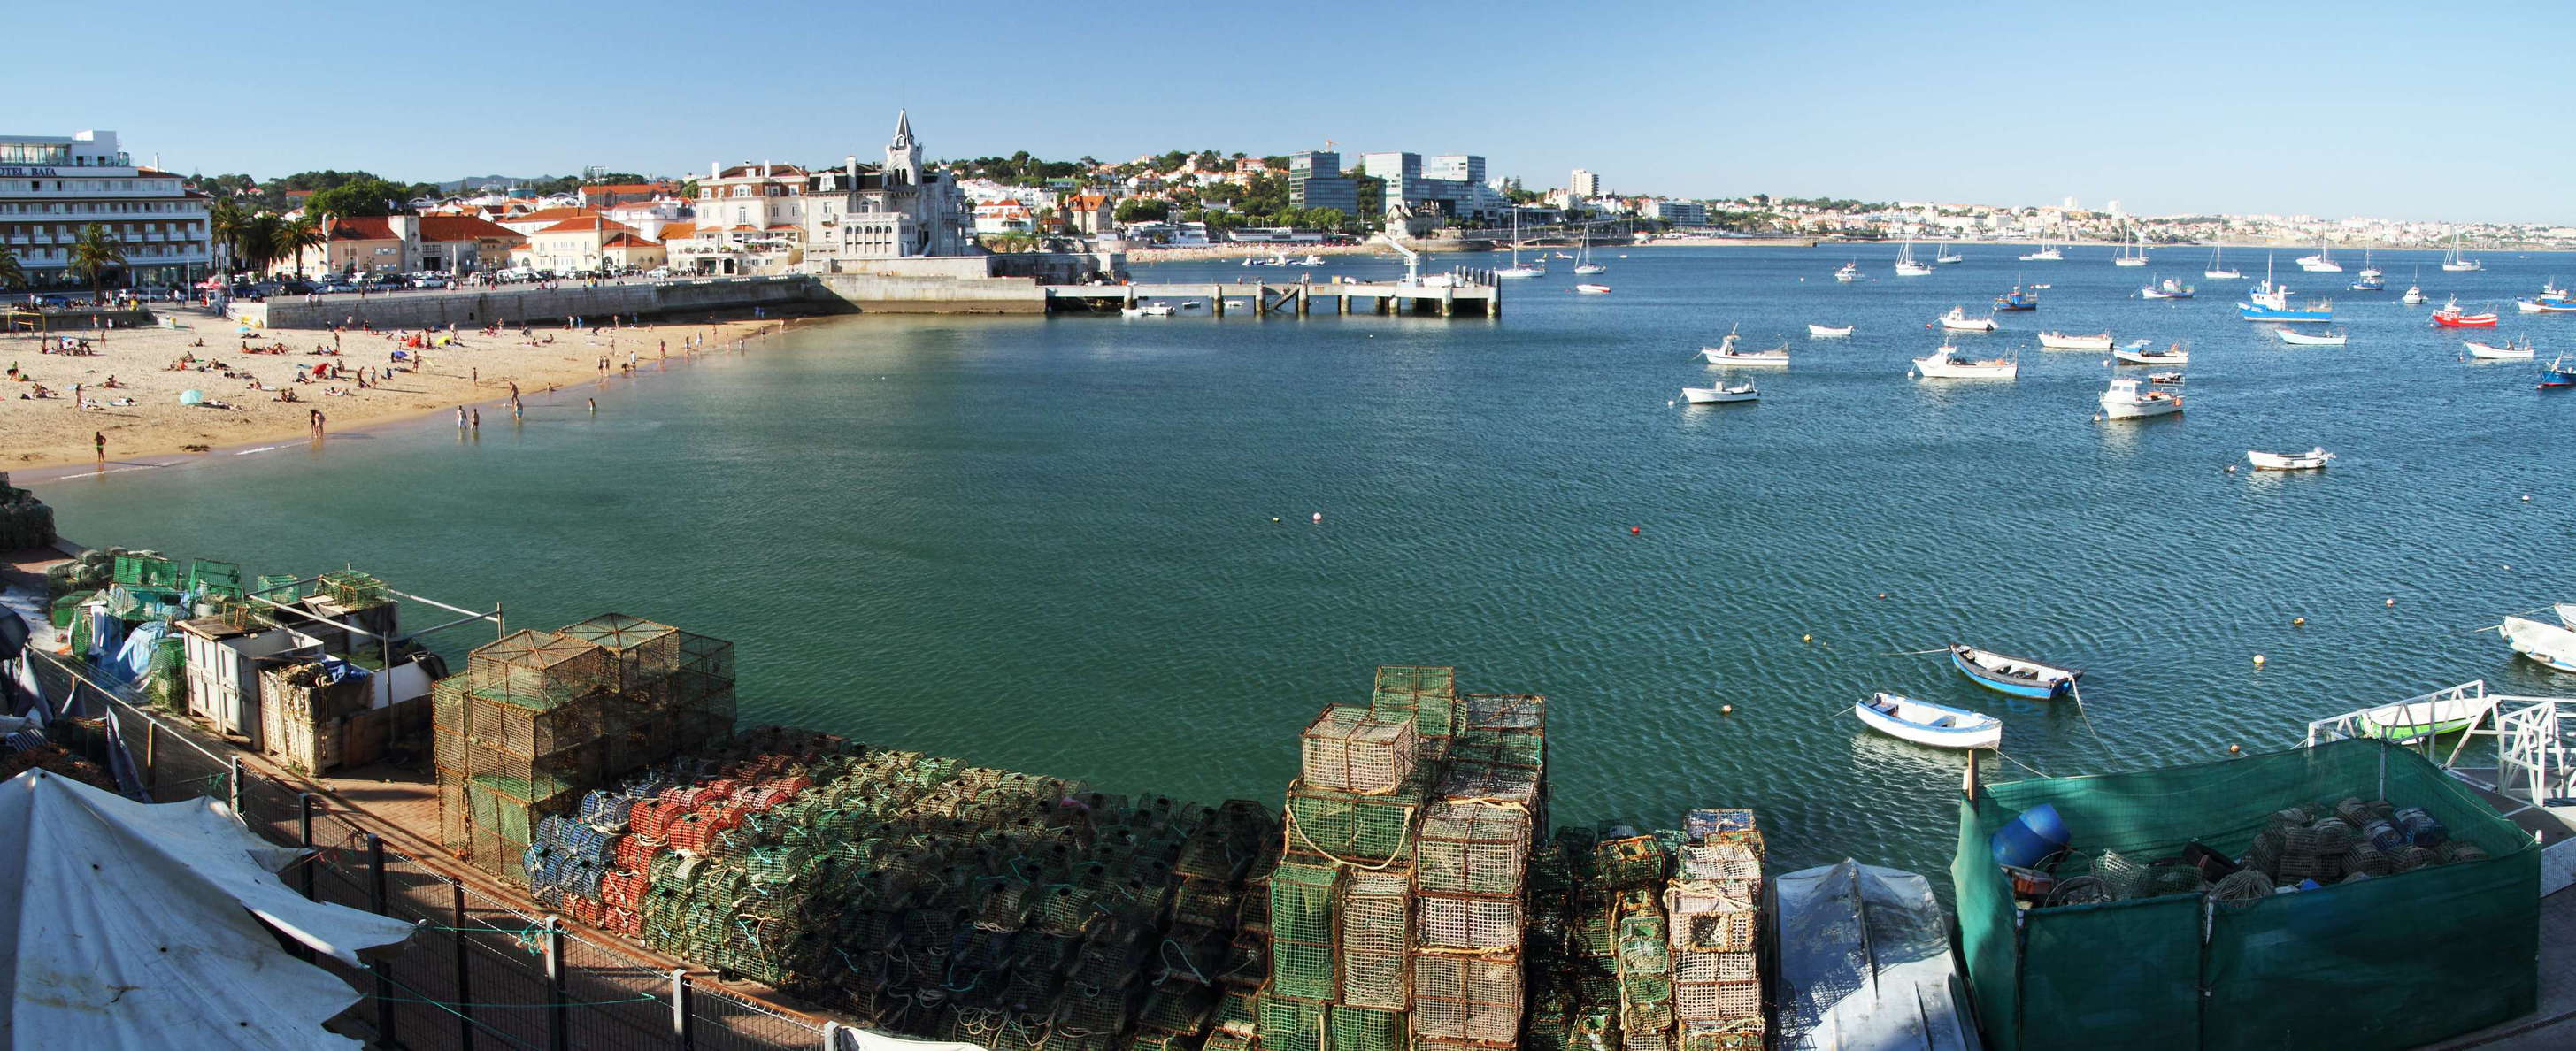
x=1049, y=544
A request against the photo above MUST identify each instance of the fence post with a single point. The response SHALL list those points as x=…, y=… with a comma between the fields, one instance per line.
x=684, y=1018
x=464, y=972
x=558, y=1036
x=151, y=744
x=383, y=964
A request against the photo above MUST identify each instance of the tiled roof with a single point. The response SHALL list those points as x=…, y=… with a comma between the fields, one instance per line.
x=362, y=228
x=588, y=224
x=553, y=215
x=629, y=241
x=679, y=230
x=462, y=228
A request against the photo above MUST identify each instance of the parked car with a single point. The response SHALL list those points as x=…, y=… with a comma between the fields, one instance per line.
x=429, y=281
x=658, y=273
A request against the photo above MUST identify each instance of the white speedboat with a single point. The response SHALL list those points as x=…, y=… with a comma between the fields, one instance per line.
x=2142, y=352
x=1591, y=290
x=2169, y=288
x=1848, y=272
x=2550, y=645
x=2296, y=338
x=1815, y=331
x=2127, y=400
x=2510, y=351
x=1148, y=310
x=1726, y=354
x=1946, y=364
x=1311, y=260
x=2064, y=341
x=1957, y=320
x=1923, y=722
x=2045, y=253
x=2415, y=296
x=2320, y=263
x=2311, y=460
x=2218, y=270
x=2170, y=379
x=1721, y=394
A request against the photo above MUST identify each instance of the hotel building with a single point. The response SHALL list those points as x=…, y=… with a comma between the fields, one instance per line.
x=52, y=187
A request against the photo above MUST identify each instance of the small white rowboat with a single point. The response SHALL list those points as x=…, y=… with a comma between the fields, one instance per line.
x=2296, y=338
x=2311, y=460
x=2509, y=352
x=2138, y=354
x=2550, y=645
x=1828, y=331
x=1720, y=395
x=2063, y=341
x=1925, y=723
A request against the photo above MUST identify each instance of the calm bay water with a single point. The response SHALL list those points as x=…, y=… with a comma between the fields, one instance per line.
x=1049, y=544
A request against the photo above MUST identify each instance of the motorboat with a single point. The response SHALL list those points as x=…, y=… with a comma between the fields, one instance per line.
x=1815, y=331
x=2063, y=341
x=1957, y=320
x=2045, y=253
x=2141, y=353
x=2559, y=373
x=2550, y=645
x=1923, y=722
x=1591, y=290
x=2455, y=263
x=1848, y=272
x=1724, y=353
x=2510, y=351
x=1720, y=394
x=2452, y=316
x=1906, y=265
x=2013, y=675
x=1862, y=962
x=2127, y=400
x=2311, y=460
x=1949, y=255
x=2271, y=302
x=1148, y=310
x=2134, y=253
x=2169, y=379
x=2017, y=299
x=2320, y=263
x=1946, y=364
x=2566, y=613
x=2414, y=296
x=2545, y=306
x=2169, y=288
x=2296, y=338
x=2217, y=270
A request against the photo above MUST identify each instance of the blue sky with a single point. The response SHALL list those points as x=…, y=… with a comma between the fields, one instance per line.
x=2418, y=111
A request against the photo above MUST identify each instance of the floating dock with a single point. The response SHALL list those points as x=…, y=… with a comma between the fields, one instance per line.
x=1472, y=295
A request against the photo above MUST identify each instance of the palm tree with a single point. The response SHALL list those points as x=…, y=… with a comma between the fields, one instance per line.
x=92, y=254
x=258, y=241
x=302, y=232
x=225, y=222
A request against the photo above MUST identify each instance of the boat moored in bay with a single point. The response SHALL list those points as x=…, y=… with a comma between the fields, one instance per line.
x=1923, y=722
x=2013, y=675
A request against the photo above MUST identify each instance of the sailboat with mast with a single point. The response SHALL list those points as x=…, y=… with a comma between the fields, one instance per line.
x=1906, y=264
x=2135, y=252
x=1516, y=269
x=1583, y=263
x=2322, y=262
x=1949, y=254
x=2455, y=263
x=2371, y=278
x=2216, y=268
x=2046, y=253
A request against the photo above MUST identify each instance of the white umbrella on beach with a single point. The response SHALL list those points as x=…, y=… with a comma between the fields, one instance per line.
x=192, y=397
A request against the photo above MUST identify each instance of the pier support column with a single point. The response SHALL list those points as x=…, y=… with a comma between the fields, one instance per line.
x=1217, y=301
x=1342, y=304
x=1448, y=302
x=1305, y=292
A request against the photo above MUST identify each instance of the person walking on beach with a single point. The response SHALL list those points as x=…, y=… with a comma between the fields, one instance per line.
x=460, y=417
x=101, y=438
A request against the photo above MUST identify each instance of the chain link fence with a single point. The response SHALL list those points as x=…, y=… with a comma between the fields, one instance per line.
x=479, y=973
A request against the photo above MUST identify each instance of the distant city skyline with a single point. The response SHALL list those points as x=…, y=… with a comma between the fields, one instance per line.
x=2290, y=109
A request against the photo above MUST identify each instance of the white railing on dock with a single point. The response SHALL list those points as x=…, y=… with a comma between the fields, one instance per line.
x=2535, y=762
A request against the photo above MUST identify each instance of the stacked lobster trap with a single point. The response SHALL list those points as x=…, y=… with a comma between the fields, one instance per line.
x=1395, y=914
x=1649, y=941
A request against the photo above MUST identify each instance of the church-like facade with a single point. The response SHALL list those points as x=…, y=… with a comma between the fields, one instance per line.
x=780, y=218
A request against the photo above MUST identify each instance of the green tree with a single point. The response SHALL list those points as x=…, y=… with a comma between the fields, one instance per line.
x=11, y=275
x=92, y=255
x=302, y=232
x=224, y=222
x=1143, y=211
x=364, y=196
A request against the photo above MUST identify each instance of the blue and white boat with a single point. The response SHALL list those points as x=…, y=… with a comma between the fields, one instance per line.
x=2559, y=373
x=2271, y=302
x=1923, y=722
x=2017, y=299
x=2013, y=675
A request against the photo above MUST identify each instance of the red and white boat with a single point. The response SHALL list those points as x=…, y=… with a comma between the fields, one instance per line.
x=2450, y=316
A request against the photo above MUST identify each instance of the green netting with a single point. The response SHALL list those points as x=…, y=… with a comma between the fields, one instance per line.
x=1364, y=1029
x=68, y=605
x=165, y=683
x=2389, y=962
x=353, y=590
x=1289, y=1024
x=1427, y=694
x=275, y=587
x=1356, y=828
x=207, y=577
x=1301, y=929
x=146, y=571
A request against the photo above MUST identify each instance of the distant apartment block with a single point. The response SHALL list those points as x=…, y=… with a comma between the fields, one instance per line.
x=1678, y=213
x=1451, y=185
x=1584, y=183
x=51, y=187
x=1315, y=180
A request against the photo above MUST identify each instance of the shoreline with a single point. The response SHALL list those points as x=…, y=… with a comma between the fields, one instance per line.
x=48, y=446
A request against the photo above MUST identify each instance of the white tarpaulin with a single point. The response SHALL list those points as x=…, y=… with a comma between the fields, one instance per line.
x=131, y=926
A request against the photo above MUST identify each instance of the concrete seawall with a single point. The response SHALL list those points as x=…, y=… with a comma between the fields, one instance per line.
x=470, y=308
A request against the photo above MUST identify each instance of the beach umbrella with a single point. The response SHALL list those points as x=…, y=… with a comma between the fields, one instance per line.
x=241, y=330
x=192, y=397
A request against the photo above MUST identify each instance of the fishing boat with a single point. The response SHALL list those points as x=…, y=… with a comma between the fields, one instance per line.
x=2140, y=353
x=2452, y=316
x=2013, y=675
x=2415, y=720
x=1957, y=320
x=1148, y=310
x=2322, y=262
x=1946, y=364
x=2550, y=645
x=1591, y=290
x=1815, y=331
x=2017, y=299
x=2296, y=338
x=2414, y=296
x=2063, y=341
x=2455, y=263
x=1923, y=722
x=2126, y=400
x=1849, y=272
x=2559, y=373
x=2311, y=460
x=1720, y=394
x=1724, y=353
x=2169, y=288
x=2271, y=302
x=2544, y=306
x=1949, y=255
x=1906, y=266
x=2170, y=379
x=2216, y=269
x=2510, y=351
x=2134, y=253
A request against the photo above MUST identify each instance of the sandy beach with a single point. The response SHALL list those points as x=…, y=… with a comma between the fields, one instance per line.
x=141, y=415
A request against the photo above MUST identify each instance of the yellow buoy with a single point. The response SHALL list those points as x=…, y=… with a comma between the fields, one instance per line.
x=1806, y=638
x=2258, y=660
x=2298, y=622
